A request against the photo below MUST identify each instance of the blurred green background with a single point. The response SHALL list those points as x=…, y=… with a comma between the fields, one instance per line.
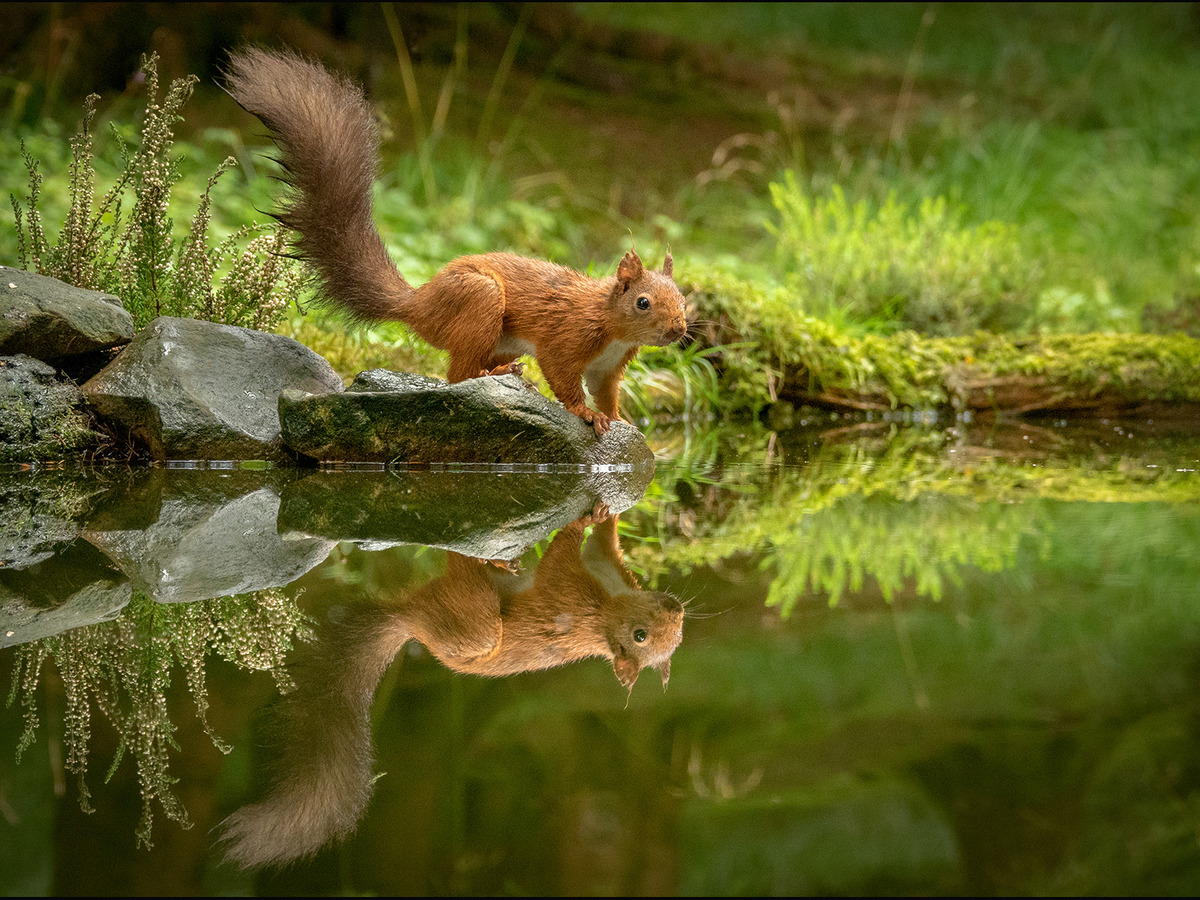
x=942, y=167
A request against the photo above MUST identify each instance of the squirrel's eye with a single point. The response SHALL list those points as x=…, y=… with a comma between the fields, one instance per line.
x=643, y=303
x=640, y=635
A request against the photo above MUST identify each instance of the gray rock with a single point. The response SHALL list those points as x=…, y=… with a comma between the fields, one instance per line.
x=49, y=319
x=41, y=511
x=195, y=535
x=40, y=414
x=492, y=514
x=387, y=380
x=191, y=389
x=394, y=417
x=76, y=586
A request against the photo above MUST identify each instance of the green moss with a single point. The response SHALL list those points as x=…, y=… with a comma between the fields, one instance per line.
x=783, y=352
x=42, y=421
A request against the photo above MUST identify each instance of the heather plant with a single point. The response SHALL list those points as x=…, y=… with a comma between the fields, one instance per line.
x=133, y=252
x=122, y=671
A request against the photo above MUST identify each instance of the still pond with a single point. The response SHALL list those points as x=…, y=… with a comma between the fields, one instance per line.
x=865, y=658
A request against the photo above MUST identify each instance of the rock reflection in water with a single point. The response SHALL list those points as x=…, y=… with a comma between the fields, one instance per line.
x=479, y=618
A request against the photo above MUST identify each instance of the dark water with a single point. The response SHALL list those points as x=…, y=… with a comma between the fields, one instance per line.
x=913, y=660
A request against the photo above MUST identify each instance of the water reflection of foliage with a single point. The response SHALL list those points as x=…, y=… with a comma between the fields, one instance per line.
x=123, y=668
x=923, y=544
x=909, y=507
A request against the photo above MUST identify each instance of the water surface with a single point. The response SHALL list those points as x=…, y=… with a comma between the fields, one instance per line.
x=913, y=659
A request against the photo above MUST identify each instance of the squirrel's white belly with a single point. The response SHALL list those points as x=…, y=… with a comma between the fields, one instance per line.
x=608, y=359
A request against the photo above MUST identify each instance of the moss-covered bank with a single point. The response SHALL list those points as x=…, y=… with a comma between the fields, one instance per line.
x=780, y=354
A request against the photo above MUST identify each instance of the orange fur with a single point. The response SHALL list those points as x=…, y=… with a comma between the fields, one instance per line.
x=485, y=310
x=476, y=619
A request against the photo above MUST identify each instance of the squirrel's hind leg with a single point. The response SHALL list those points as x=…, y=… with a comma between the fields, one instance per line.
x=474, y=332
x=505, y=365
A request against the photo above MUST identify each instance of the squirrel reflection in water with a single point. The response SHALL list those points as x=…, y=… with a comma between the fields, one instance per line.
x=581, y=601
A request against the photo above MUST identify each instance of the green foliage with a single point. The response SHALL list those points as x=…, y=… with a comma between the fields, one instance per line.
x=783, y=351
x=905, y=510
x=760, y=319
x=135, y=254
x=467, y=207
x=896, y=267
x=1073, y=123
x=775, y=339
x=674, y=382
x=899, y=517
x=423, y=238
x=123, y=668
x=920, y=545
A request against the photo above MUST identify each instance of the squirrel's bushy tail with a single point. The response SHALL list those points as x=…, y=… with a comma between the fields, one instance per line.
x=322, y=125
x=319, y=740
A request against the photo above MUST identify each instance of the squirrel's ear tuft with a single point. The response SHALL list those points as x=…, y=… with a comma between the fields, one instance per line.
x=630, y=268
x=668, y=268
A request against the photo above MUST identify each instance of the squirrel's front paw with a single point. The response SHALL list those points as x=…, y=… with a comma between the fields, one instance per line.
x=600, y=513
x=597, y=420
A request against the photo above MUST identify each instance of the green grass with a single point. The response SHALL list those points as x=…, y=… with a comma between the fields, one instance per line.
x=1073, y=123
x=901, y=268
x=952, y=166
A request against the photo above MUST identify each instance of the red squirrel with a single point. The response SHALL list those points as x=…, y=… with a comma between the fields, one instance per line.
x=483, y=620
x=476, y=619
x=486, y=310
